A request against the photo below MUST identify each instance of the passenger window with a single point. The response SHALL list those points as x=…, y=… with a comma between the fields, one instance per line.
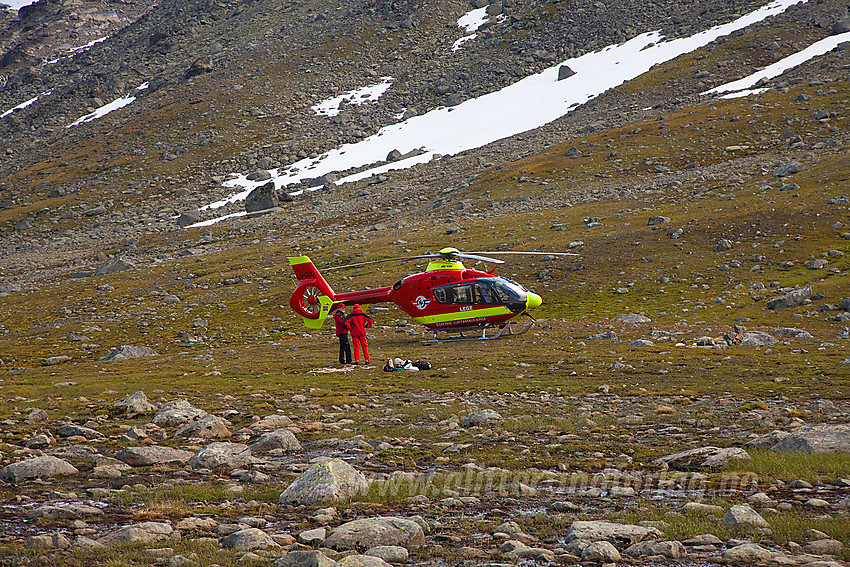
x=463, y=294
x=483, y=294
x=440, y=294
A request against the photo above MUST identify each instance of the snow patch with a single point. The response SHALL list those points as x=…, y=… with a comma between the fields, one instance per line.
x=107, y=108
x=473, y=19
x=74, y=50
x=814, y=50
x=331, y=106
x=23, y=105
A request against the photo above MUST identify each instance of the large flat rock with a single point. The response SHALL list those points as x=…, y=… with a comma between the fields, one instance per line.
x=150, y=456
x=39, y=467
x=817, y=439
x=367, y=533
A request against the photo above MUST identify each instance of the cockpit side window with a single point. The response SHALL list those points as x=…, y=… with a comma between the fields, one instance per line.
x=440, y=294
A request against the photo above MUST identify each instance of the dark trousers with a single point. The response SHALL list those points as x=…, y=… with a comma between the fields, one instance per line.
x=344, y=350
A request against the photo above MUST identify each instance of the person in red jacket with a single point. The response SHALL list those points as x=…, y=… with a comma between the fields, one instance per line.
x=358, y=322
x=342, y=333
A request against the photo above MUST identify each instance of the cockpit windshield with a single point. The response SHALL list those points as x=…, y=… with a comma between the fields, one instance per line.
x=508, y=291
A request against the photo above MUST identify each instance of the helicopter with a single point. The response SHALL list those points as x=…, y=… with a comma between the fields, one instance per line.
x=447, y=296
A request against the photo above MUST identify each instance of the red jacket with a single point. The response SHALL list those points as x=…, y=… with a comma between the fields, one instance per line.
x=341, y=325
x=358, y=322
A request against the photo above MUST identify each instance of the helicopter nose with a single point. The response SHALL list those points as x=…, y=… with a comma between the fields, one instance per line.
x=533, y=301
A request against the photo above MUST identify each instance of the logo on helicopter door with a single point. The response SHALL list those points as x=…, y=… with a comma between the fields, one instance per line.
x=421, y=302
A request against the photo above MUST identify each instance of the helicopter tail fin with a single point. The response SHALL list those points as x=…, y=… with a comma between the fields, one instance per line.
x=313, y=296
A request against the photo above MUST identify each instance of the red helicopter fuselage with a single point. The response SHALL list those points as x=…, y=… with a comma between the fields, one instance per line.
x=446, y=296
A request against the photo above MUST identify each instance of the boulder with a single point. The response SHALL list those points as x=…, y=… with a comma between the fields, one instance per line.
x=723, y=244
x=71, y=430
x=767, y=441
x=134, y=404
x=145, y=532
x=601, y=552
x=324, y=482
x=366, y=533
x=207, y=426
x=632, y=318
x=747, y=553
x=313, y=538
x=841, y=26
x=757, y=338
x=124, y=352
x=741, y=518
x=187, y=218
x=176, y=412
x=564, y=72
x=39, y=467
x=623, y=535
x=787, y=169
x=674, y=550
x=113, y=266
x=483, y=418
x=271, y=422
x=817, y=439
x=64, y=511
x=657, y=220
x=703, y=457
x=262, y=198
x=793, y=298
x=305, y=559
x=389, y=553
x=248, y=540
x=282, y=439
x=151, y=456
x=221, y=455
x=361, y=561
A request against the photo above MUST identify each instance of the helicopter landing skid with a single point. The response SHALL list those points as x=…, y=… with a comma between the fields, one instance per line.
x=506, y=329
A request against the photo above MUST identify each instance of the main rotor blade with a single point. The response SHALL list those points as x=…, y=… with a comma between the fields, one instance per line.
x=527, y=253
x=474, y=257
x=400, y=259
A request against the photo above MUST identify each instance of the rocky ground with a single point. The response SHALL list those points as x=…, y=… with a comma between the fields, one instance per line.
x=417, y=477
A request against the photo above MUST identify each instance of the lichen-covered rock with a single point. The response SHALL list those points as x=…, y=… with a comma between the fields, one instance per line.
x=221, y=455
x=623, y=535
x=144, y=532
x=282, y=439
x=670, y=549
x=39, y=467
x=151, y=456
x=703, y=457
x=747, y=553
x=208, y=426
x=483, y=418
x=817, y=439
x=124, y=352
x=324, y=482
x=305, y=559
x=601, y=552
x=793, y=298
x=136, y=403
x=361, y=561
x=741, y=517
x=176, y=412
x=248, y=539
x=366, y=533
